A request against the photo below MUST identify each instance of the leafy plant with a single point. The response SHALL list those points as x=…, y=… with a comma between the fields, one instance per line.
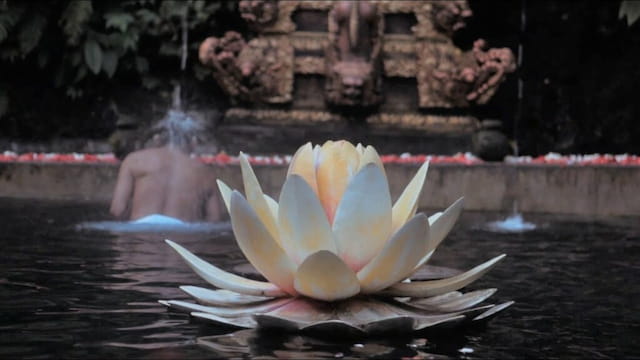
x=81, y=45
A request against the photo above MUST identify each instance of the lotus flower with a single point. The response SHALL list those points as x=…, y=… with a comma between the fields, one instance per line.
x=331, y=241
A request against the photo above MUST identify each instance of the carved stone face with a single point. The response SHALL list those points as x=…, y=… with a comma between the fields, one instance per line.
x=353, y=76
x=258, y=12
x=450, y=16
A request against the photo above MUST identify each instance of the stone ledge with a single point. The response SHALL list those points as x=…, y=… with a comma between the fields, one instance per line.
x=598, y=191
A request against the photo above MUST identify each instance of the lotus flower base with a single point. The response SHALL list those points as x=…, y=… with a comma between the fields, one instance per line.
x=335, y=252
x=364, y=315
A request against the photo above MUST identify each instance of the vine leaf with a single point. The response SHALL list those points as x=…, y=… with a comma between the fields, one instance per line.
x=93, y=55
x=110, y=62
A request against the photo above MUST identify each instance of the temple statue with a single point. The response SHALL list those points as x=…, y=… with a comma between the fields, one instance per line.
x=312, y=67
x=353, y=62
x=258, y=13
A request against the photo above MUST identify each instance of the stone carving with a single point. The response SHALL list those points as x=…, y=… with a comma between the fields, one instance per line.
x=259, y=13
x=450, y=16
x=471, y=78
x=346, y=65
x=258, y=71
x=353, y=54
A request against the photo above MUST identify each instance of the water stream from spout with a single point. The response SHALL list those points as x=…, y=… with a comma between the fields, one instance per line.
x=177, y=90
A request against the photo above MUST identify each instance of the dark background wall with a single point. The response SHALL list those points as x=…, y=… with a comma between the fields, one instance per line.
x=579, y=78
x=579, y=72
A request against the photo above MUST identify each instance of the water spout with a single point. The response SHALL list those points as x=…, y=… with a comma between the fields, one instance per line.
x=513, y=223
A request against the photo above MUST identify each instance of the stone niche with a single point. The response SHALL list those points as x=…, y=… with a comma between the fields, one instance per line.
x=385, y=73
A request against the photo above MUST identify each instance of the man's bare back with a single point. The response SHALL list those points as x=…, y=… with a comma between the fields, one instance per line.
x=165, y=181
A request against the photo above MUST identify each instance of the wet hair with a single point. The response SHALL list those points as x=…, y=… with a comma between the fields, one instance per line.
x=178, y=129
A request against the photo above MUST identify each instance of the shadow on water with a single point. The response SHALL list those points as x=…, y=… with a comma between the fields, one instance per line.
x=66, y=293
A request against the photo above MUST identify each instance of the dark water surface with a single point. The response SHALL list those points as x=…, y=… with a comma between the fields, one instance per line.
x=93, y=295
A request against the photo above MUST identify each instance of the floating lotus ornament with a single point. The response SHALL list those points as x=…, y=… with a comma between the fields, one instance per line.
x=335, y=252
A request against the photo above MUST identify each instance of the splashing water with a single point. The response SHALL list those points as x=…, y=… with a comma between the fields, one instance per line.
x=513, y=223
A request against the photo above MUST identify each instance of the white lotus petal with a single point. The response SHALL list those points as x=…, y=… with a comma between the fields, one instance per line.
x=221, y=297
x=303, y=163
x=258, y=245
x=297, y=314
x=406, y=205
x=324, y=276
x=244, y=322
x=493, y=311
x=438, y=299
x=441, y=223
x=303, y=225
x=423, y=322
x=235, y=311
x=225, y=191
x=273, y=206
x=370, y=155
x=223, y=279
x=362, y=224
x=398, y=258
x=437, y=287
x=434, y=217
x=459, y=303
x=336, y=164
x=255, y=197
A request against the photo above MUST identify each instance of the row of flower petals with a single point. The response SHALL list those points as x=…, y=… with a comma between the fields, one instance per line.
x=405, y=158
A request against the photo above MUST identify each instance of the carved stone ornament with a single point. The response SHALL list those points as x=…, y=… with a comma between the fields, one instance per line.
x=258, y=71
x=353, y=54
x=450, y=16
x=259, y=13
x=450, y=78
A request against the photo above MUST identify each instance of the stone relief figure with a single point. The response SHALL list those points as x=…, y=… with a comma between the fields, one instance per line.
x=353, y=54
x=259, y=13
x=476, y=78
x=450, y=16
x=255, y=71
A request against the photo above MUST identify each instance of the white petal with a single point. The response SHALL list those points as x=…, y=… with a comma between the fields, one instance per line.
x=441, y=223
x=221, y=297
x=437, y=287
x=370, y=155
x=398, y=258
x=324, y=276
x=303, y=163
x=258, y=245
x=303, y=225
x=406, y=205
x=273, y=206
x=336, y=164
x=235, y=311
x=255, y=197
x=362, y=224
x=223, y=279
x=244, y=322
x=225, y=191
x=459, y=303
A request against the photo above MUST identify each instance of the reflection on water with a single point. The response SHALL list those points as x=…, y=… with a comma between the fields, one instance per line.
x=68, y=293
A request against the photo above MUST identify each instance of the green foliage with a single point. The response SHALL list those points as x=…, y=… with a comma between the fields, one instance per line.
x=80, y=44
x=74, y=19
x=630, y=9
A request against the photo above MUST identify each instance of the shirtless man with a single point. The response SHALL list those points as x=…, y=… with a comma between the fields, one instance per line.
x=166, y=180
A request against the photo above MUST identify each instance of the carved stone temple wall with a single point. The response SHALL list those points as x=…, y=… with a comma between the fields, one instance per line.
x=382, y=72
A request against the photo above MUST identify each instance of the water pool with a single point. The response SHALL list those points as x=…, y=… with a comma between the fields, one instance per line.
x=67, y=293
